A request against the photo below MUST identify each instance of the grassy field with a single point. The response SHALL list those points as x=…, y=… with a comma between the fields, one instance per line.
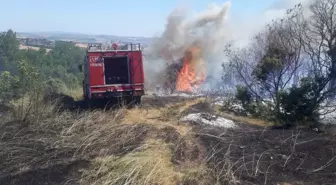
x=23, y=47
x=150, y=145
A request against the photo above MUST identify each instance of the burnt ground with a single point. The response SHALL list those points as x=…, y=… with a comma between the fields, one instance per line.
x=39, y=155
x=36, y=154
x=260, y=155
x=39, y=152
x=66, y=102
x=257, y=155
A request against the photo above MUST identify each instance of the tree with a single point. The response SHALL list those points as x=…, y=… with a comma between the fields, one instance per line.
x=317, y=34
x=9, y=46
x=268, y=66
x=238, y=69
x=25, y=71
x=293, y=61
x=276, y=70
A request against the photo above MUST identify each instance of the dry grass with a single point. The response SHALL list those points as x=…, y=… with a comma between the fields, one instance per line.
x=150, y=164
x=248, y=120
x=77, y=94
x=168, y=115
x=133, y=146
x=146, y=145
x=153, y=161
x=175, y=111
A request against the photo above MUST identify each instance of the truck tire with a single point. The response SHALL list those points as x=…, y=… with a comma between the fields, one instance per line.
x=87, y=103
x=137, y=100
x=130, y=101
x=122, y=101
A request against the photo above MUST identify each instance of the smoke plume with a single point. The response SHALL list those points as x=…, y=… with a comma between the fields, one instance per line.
x=207, y=30
x=180, y=33
x=211, y=30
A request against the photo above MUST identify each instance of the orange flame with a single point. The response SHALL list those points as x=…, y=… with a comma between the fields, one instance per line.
x=192, y=72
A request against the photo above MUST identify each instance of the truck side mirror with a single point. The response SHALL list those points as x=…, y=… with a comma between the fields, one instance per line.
x=80, y=67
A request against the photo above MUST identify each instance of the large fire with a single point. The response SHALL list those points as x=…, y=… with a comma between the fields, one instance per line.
x=192, y=73
x=199, y=38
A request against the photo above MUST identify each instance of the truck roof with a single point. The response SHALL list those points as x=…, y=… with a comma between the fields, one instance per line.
x=115, y=47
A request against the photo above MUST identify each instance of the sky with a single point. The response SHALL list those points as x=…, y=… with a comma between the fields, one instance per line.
x=113, y=17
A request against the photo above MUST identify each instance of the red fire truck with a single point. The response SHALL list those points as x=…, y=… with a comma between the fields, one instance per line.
x=114, y=73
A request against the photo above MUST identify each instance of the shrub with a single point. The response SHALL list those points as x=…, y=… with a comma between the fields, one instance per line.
x=7, y=88
x=243, y=95
x=55, y=85
x=300, y=103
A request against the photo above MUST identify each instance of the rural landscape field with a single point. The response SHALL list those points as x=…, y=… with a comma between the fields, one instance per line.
x=217, y=109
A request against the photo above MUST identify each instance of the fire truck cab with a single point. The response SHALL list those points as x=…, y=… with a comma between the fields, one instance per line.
x=113, y=73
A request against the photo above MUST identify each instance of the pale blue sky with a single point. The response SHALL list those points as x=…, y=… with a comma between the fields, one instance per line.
x=114, y=17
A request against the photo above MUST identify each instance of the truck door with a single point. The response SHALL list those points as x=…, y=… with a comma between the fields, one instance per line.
x=116, y=70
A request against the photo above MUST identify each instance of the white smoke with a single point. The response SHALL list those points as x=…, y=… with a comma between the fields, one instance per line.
x=244, y=28
x=213, y=29
x=207, y=29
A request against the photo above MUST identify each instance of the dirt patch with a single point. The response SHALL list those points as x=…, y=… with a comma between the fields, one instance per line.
x=183, y=148
x=255, y=155
x=61, y=101
x=30, y=154
x=117, y=141
x=200, y=107
x=168, y=134
x=63, y=173
x=163, y=101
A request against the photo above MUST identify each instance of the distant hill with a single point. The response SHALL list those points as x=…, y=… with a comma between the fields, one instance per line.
x=86, y=38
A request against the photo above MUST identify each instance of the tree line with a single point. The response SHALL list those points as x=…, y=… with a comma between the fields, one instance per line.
x=22, y=71
x=287, y=73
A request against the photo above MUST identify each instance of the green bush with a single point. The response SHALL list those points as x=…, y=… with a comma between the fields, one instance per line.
x=252, y=107
x=261, y=110
x=71, y=81
x=55, y=85
x=243, y=95
x=300, y=104
x=8, y=87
